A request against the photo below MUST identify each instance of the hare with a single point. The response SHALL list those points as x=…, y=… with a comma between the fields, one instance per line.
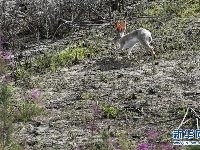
x=127, y=41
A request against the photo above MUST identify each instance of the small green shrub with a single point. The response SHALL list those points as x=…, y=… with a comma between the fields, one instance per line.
x=109, y=111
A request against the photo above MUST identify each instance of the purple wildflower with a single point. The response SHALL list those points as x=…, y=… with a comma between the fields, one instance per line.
x=157, y=134
x=35, y=93
x=1, y=53
x=8, y=79
x=166, y=146
x=143, y=146
x=151, y=134
x=8, y=56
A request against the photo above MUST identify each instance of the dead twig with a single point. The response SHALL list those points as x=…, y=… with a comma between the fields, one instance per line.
x=194, y=112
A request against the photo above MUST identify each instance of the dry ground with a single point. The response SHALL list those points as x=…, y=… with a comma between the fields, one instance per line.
x=147, y=96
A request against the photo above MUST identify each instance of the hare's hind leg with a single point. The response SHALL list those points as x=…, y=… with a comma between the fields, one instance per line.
x=146, y=44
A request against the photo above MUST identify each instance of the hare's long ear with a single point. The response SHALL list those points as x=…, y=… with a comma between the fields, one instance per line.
x=117, y=24
x=123, y=26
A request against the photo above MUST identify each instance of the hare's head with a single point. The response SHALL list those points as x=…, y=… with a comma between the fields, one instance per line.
x=120, y=28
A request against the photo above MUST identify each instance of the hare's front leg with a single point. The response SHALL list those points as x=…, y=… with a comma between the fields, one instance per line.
x=129, y=51
x=120, y=47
